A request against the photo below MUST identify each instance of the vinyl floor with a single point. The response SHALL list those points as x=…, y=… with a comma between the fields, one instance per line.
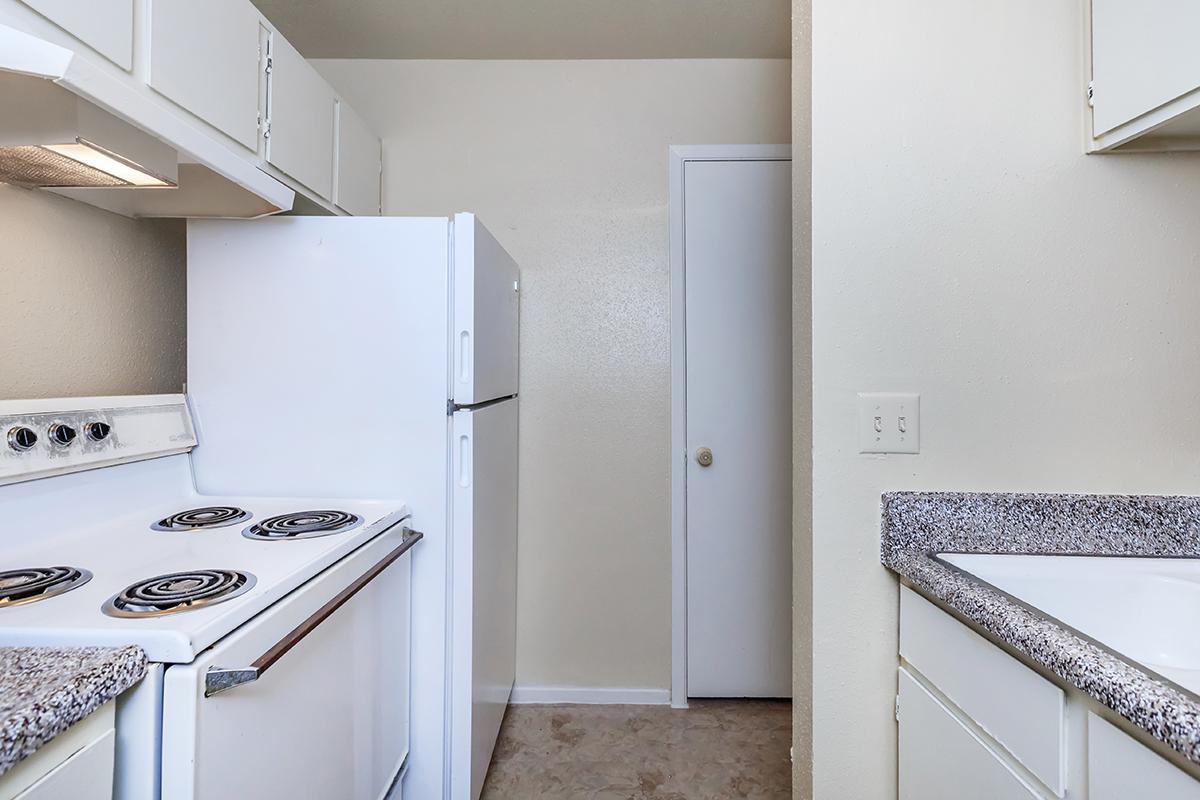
x=715, y=749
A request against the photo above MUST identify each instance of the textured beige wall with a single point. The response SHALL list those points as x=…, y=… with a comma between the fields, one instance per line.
x=1043, y=303
x=91, y=303
x=566, y=162
x=802, y=644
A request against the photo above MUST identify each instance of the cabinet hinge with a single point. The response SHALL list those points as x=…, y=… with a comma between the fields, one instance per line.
x=269, y=64
x=267, y=129
x=1091, y=94
x=897, y=708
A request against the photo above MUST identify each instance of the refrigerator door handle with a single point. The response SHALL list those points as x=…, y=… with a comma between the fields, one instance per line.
x=464, y=356
x=464, y=460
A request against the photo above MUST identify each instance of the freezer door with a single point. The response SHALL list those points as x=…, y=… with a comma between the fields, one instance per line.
x=486, y=311
x=484, y=580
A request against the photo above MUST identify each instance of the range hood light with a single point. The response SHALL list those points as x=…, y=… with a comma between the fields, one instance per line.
x=112, y=164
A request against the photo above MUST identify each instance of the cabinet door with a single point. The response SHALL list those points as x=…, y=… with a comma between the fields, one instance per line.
x=1120, y=767
x=939, y=756
x=204, y=56
x=1144, y=54
x=1014, y=705
x=302, y=119
x=106, y=26
x=87, y=775
x=358, y=164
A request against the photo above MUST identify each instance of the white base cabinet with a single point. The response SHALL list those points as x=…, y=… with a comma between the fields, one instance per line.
x=971, y=715
x=1120, y=768
x=77, y=764
x=939, y=755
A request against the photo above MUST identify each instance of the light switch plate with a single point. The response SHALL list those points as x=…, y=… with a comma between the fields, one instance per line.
x=889, y=422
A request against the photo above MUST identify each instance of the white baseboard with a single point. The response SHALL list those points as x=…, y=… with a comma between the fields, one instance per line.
x=588, y=695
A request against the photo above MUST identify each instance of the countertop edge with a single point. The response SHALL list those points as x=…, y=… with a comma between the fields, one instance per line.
x=38, y=719
x=1161, y=710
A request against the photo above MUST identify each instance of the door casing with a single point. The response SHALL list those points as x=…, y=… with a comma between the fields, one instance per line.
x=679, y=156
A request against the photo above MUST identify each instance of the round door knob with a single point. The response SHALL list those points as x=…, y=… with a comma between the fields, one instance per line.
x=704, y=457
x=97, y=431
x=21, y=438
x=62, y=434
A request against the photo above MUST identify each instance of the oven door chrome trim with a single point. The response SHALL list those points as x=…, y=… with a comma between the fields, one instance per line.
x=220, y=679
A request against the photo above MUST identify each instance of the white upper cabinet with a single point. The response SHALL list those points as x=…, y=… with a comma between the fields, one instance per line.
x=106, y=26
x=1145, y=74
x=204, y=56
x=358, y=165
x=302, y=120
x=252, y=122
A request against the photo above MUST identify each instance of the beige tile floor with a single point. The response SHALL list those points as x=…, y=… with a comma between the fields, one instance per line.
x=714, y=749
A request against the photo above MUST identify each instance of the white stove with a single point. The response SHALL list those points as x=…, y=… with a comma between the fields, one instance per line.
x=104, y=540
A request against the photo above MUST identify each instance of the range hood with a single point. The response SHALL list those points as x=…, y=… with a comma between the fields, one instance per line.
x=69, y=126
x=51, y=137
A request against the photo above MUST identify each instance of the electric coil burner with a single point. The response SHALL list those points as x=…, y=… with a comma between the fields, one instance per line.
x=202, y=519
x=19, y=586
x=178, y=591
x=303, y=525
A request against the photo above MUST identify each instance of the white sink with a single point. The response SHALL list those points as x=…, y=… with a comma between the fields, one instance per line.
x=1146, y=609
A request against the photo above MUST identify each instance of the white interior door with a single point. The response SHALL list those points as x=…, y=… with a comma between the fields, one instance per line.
x=737, y=295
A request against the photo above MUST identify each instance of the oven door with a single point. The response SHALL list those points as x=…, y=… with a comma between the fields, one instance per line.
x=326, y=717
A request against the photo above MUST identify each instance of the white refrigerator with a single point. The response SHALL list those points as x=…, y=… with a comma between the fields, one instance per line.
x=377, y=357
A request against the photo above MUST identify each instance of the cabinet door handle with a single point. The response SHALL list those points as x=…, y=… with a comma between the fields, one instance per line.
x=220, y=679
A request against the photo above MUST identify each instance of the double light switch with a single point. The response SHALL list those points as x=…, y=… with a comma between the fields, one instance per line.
x=889, y=422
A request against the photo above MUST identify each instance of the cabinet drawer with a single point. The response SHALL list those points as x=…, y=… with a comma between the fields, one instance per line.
x=939, y=756
x=1120, y=767
x=1023, y=711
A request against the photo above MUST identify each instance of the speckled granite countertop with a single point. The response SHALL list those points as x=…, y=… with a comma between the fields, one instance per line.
x=45, y=690
x=917, y=525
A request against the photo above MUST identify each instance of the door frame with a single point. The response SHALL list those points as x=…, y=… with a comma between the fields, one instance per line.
x=680, y=155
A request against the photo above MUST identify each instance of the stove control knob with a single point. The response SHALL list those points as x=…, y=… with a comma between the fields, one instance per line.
x=97, y=431
x=21, y=438
x=62, y=434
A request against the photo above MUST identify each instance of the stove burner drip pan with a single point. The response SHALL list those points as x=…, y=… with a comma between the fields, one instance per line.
x=178, y=591
x=195, y=519
x=20, y=586
x=302, y=525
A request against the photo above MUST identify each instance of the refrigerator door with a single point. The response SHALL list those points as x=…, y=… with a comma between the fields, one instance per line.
x=484, y=581
x=485, y=316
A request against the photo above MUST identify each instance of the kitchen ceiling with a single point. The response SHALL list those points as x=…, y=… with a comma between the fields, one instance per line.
x=534, y=29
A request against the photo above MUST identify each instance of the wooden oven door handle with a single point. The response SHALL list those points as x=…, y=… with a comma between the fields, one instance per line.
x=220, y=679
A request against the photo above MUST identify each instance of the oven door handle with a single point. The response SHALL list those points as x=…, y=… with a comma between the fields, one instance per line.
x=220, y=679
